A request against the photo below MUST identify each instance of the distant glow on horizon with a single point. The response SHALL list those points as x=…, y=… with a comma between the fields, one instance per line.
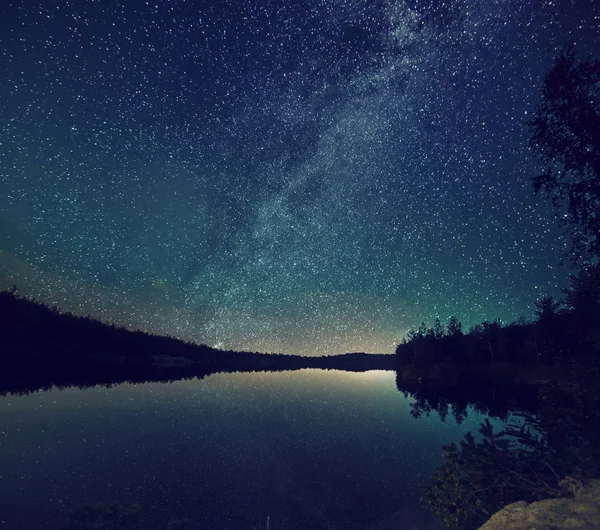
x=262, y=176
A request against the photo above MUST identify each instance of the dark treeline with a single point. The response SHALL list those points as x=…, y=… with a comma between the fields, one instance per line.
x=46, y=335
x=43, y=347
x=564, y=332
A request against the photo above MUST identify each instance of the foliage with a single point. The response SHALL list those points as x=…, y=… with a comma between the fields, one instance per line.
x=583, y=293
x=459, y=490
x=540, y=453
x=547, y=308
x=566, y=137
x=454, y=327
x=478, y=478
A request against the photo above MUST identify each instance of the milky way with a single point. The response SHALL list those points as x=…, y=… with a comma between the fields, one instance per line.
x=306, y=177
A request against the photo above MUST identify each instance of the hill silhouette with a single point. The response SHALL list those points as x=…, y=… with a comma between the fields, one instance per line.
x=44, y=347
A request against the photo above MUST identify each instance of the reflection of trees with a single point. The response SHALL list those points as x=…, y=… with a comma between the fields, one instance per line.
x=548, y=445
x=444, y=399
x=478, y=478
x=424, y=407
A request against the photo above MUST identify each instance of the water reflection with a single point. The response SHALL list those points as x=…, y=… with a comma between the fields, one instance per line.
x=547, y=446
x=308, y=449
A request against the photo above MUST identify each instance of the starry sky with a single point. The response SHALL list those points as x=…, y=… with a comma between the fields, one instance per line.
x=312, y=177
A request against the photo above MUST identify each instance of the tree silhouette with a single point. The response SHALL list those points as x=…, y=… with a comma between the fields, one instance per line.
x=547, y=308
x=548, y=334
x=438, y=329
x=454, y=327
x=566, y=138
x=583, y=297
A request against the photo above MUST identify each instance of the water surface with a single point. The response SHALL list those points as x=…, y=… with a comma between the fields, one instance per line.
x=305, y=449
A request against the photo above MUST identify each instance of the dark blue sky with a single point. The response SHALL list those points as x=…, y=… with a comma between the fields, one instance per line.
x=306, y=177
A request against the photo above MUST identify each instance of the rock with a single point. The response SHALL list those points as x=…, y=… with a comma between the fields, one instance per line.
x=564, y=513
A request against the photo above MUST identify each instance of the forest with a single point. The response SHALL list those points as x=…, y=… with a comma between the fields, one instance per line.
x=564, y=332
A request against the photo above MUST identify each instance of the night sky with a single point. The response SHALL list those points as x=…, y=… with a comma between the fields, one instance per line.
x=307, y=177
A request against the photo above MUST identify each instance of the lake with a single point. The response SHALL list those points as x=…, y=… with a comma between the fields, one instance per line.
x=302, y=449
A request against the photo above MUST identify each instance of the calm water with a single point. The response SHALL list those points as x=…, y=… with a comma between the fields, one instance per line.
x=307, y=449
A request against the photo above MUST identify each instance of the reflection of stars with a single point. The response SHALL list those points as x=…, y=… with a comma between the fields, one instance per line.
x=277, y=178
